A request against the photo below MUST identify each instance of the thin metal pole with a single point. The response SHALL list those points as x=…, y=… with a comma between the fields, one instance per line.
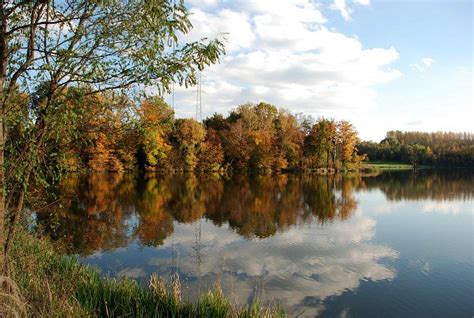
x=174, y=52
x=172, y=84
x=200, y=97
x=197, y=100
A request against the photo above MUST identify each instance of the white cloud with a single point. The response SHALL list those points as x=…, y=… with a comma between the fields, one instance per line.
x=363, y=2
x=207, y=3
x=424, y=64
x=282, y=52
x=296, y=10
x=132, y=272
x=446, y=207
x=234, y=26
x=427, y=61
x=345, y=9
x=341, y=6
x=375, y=203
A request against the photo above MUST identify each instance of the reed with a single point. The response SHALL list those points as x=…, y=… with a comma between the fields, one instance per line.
x=126, y=298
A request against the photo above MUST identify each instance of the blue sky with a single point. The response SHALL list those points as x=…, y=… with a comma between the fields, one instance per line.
x=383, y=65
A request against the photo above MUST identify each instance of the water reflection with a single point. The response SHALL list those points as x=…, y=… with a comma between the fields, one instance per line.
x=106, y=211
x=425, y=184
x=300, y=239
x=300, y=267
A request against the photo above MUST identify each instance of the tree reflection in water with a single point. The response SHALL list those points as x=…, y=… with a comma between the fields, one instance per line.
x=438, y=185
x=100, y=212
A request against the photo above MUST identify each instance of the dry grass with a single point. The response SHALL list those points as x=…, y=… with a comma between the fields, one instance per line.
x=11, y=303
x=46, y=280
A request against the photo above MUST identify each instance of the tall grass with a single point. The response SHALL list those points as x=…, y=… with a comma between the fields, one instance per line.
x=45, y=278
x=56, y=286
x=11, y=303
x=126, y=298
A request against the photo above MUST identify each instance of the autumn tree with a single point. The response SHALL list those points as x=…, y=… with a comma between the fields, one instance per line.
x=211, y=153
x=321, y=142
x=252, y=126
x=156, y=123
x=263, y=135
x=289, y=138
x=236, y=146
x=347, y=140
x=103, y=131
x=102, y=135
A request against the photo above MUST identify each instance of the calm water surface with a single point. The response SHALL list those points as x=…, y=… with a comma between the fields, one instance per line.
x=394, y=245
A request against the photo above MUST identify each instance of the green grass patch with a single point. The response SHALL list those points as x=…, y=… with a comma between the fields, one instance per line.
x=385, y=165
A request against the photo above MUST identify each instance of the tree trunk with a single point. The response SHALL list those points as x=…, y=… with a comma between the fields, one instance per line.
x=2, y=196
x=12, y=227
x=3, y=75
x=328, y=157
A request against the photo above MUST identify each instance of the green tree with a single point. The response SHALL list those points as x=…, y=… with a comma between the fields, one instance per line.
x=189, y=135
x=156, y=122
x=155, y=147
x=427, y=148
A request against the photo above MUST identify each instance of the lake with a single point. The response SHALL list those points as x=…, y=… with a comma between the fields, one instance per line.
x=398, y=244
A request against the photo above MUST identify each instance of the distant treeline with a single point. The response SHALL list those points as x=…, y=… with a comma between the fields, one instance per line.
x=107, y=132
x=422, y=148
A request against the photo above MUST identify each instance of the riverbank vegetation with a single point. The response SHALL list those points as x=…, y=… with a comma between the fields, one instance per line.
x=51, y=284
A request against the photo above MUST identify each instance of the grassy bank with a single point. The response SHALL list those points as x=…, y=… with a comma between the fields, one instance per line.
x=52, y=285
x=386, y=165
